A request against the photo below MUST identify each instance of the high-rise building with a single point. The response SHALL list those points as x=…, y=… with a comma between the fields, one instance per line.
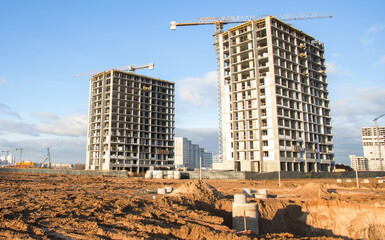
x=189, y=155
x=130, y=122
x=208, y=159
x=274, y=99
x=373, y=143
x=359, y=163
x=7, y=159
x=182, y=152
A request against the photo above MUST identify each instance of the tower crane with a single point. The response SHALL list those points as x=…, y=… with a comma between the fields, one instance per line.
x=378, y=139
x=21, y=152
x=47, y=158
x=375, y=120
x=219, y=22
x=131, y=68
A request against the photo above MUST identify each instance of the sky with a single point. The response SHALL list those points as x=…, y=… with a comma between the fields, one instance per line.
x=44, y=43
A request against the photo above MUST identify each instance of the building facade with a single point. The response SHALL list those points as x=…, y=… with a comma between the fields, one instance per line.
x=7, y=160
x=189, y=155
x=373, y=143
x=274, y=99
x=182, y=152
x=208, y=159
x=359, y=163
x=130, y=122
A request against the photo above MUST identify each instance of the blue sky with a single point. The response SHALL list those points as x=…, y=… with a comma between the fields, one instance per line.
x=44, y=43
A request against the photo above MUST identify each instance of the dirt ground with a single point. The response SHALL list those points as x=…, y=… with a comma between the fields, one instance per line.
x=38, y=206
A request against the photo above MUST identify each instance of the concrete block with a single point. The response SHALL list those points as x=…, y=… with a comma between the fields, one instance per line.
x=169, y=189
x=161, y=191
x=177, y=175
x=262, y=191
x=240, y=198
x=260, y=196
x=245, y=213
x=366, y=181
x=339, y=180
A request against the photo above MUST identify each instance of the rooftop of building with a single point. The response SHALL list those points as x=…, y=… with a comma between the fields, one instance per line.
x=131, y=73
x=263, y=20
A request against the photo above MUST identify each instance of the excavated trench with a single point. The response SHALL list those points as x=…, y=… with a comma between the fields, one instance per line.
x=315, y=218
x=333, y=218
x=346, y=218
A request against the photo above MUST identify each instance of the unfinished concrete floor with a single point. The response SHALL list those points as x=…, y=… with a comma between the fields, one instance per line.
x=34, y=206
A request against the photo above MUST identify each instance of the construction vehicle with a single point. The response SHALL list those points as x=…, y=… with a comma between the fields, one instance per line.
x=25, y=164
x=131, y=68
x=219, y=22
x=47, y=158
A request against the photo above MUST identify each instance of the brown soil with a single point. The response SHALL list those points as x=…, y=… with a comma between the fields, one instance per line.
x=34, y=206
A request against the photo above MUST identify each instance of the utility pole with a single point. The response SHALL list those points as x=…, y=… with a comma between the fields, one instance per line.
x=200, y=168
x=21, y=152
x=358, y=184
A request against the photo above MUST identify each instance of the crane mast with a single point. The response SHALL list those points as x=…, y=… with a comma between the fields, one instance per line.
x=219, y=22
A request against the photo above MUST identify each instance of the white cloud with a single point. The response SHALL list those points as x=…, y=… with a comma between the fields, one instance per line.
x=199, y=92
x=18, y=127
x=381, y=61
x=204, y=137
x=331, y=68
x=70, y=126
x=6, y=110
x=350, y=114
x=336, y=55
x=335, y=69
x=3, y=81
x=73, y=125
x=44, y=115
x=370, y=35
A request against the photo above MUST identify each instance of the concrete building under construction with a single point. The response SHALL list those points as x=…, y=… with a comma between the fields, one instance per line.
x=274, y=99
x=130, y=122
x=373, y=142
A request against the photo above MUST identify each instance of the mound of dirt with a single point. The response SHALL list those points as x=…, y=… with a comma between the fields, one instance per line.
x=198, y=191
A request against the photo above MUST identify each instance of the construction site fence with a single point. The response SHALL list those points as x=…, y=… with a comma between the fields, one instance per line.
x=65, y=172
x=284, y=175
x=209, y=174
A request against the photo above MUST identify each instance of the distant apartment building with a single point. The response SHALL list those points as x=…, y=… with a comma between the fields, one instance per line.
x=208, y=159
x=7, y=160
x=188, y=155
x=359, y=163
x=274, y=99
x=373, y=143
x=182, y=152
x=130, y=122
